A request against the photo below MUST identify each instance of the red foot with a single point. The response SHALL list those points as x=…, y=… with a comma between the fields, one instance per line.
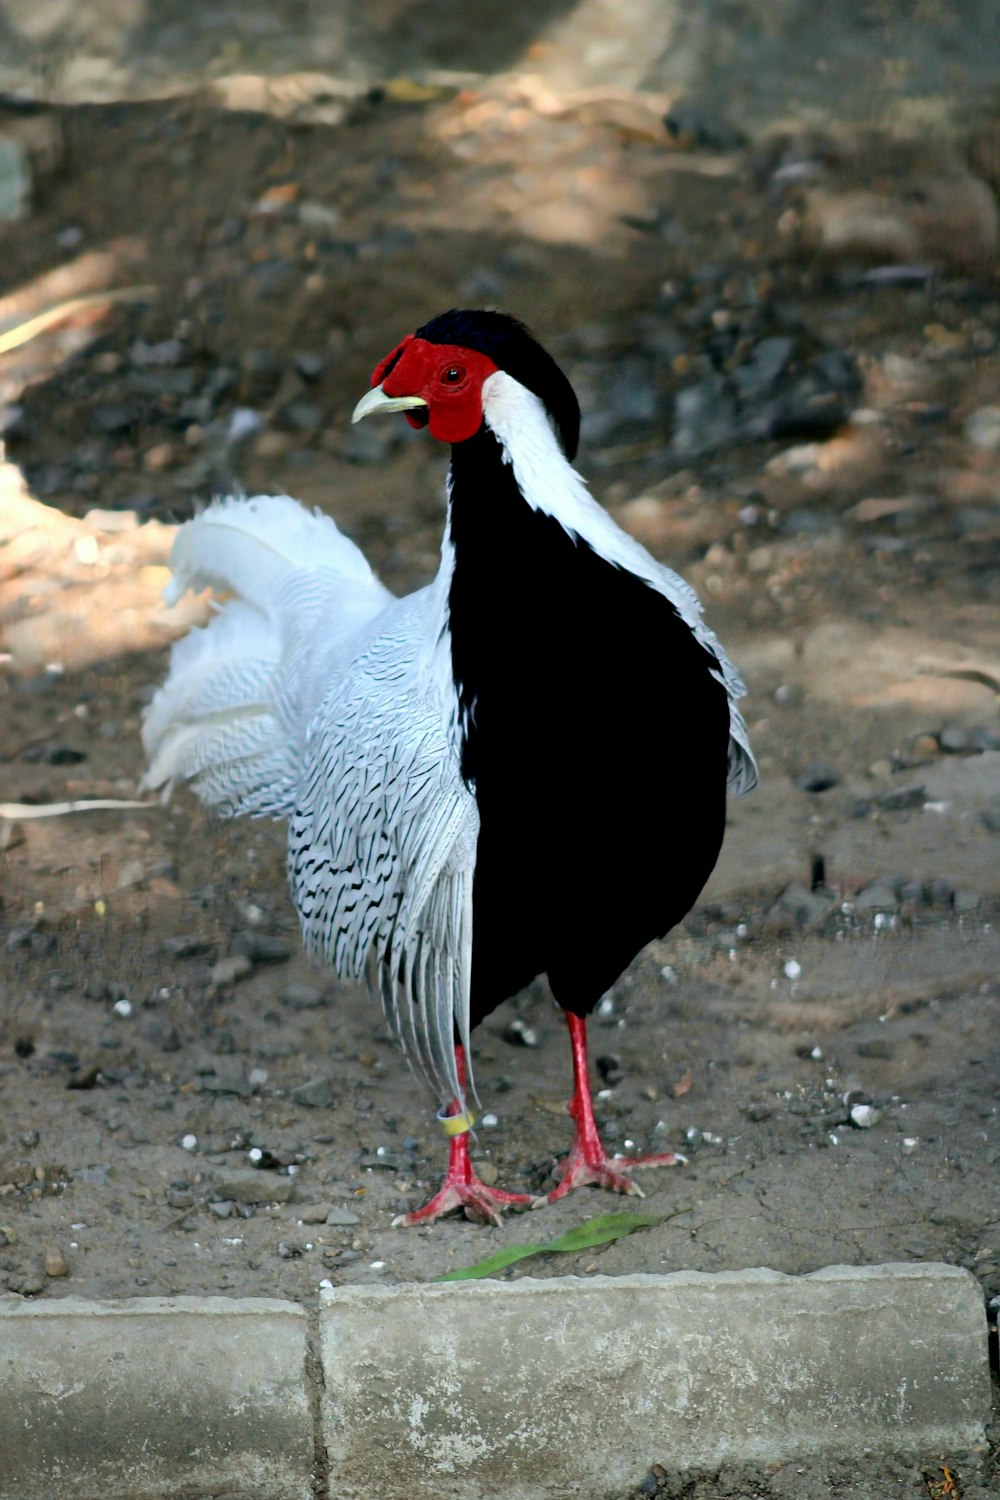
x=588, y=1162
x=478, y=1201
x=606, y=1172
x=461, y=1187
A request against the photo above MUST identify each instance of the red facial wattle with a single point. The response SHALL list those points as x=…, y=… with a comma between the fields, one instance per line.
x=446, y=376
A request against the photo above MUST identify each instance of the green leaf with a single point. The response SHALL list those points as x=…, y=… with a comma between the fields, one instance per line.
x=600, y=1231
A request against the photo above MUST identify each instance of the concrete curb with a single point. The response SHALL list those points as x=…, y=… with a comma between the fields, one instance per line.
x=538, y=1388
x=520, y=1390
x=155, y=1397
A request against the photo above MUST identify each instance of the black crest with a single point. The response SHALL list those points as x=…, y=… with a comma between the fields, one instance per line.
x=511, y=348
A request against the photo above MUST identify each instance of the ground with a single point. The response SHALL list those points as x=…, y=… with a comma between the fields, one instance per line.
x=789, y=397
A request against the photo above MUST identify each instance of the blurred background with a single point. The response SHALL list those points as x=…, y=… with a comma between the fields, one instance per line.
x=763, y=242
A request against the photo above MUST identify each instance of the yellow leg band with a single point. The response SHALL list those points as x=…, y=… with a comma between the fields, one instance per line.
x=457, y=1124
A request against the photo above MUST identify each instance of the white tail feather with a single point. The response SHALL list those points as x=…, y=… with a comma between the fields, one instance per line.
x=233, y=712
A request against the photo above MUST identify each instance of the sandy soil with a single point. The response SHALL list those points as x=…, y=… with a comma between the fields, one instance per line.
x=188, y=1105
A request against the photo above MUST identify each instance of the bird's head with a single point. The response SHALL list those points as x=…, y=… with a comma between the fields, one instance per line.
x=440, y=376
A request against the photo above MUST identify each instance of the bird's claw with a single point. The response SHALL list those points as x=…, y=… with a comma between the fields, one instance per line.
x=607, y=1172
x=478, y=1201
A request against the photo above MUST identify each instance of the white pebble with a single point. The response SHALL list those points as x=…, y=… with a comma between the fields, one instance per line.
x=669, y=973
x=189, y=1142
x=910, y=1143
x=864, y=1116
x=326, y=1285
x=629, y=1145
x=793, y=969
x=833, y=1139
x=488, y=1121
x=243, y=423
x=254, y=1154
x=606, y=1006
x=122, y=1007
x=378, y=1265
x=257, y=1077
x=816, y=1054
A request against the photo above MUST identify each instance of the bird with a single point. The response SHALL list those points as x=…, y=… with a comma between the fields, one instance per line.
x=520, y=769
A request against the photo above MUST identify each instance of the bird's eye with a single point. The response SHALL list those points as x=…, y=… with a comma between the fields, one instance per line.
x=453, y=375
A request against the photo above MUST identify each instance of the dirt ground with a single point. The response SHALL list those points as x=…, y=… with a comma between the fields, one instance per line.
x=793, y=404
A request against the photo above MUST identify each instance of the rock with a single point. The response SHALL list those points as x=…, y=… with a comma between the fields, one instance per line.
x=310, y=366
x=300, y=416
x=314, y=1213
x=945, y=216
x=704, y=416
x=15, y=180
x=229, y=1076
x=876, y=897
x=317, y=1093
x=231, y=970
x=697, y=127
x=901, y=797
x=520, y=1034
x=818, y=777
x=302, y=997
x=259, y=948
x=982, y=428
x=253, y=1187
x=991, y=819
x=877, y=1047
x=342, y=1216
x=864, y=1116
x=965, y=900
x=953, y=739
x=220, y=1208
x=56, y=1263
x=112, y=418
x=187, y=945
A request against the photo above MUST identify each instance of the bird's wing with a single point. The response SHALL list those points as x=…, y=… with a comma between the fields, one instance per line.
x=382, y=845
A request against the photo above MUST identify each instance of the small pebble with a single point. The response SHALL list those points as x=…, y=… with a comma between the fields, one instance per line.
x=953, y=739
x=302, y=997
x=56, y=1263
x=818, y=777
x=901, y=797
x=519, y=1034
x=864, y=1116
x=877, y=1047
x=316, y=1093
x=793, y=969
x=231, y=970
x=342, y=1217
x=189, y=1142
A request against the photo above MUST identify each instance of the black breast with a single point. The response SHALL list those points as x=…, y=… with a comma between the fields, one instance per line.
x=597, y=745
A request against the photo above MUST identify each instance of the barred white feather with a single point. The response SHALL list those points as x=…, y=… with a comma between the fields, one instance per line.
x=316, y=695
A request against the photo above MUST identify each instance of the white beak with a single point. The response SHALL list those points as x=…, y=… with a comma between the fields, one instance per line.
x=377, y=400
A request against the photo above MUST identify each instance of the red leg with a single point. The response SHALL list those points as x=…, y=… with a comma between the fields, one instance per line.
x=461, y=1187
x=588, y=1161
